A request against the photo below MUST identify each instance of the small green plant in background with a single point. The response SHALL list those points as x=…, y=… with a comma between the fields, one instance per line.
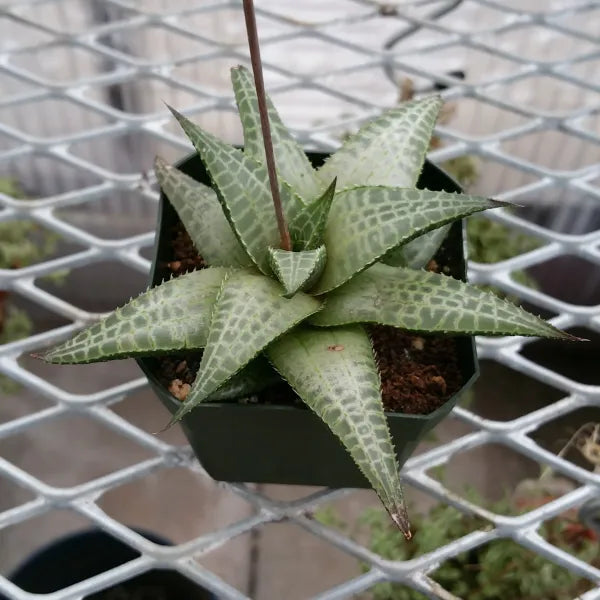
x=21, y=243
x=499, y=570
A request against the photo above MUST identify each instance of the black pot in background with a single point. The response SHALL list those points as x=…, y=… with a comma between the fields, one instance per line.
x=80, y=556
x=290, y=444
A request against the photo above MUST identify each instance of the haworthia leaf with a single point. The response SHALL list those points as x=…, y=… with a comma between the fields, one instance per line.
x=200, y=211
x=419, y=252
x=292, y=164
x=171, y=316
x=389, y=150
x=334, y=372
x=250, y=312
x=253, y=378
x=367, y=222
x=297, y=270
x=422, y=301
x=242, y=186
x=309, y=225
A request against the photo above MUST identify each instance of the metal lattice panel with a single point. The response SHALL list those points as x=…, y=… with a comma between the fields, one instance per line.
x=82, y=58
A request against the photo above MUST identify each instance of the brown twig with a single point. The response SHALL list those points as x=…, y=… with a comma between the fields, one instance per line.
x=284, y=234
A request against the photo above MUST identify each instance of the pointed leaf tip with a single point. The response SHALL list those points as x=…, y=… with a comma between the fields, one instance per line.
x=365, y=223
x=334, y=372
x=401, y=520
x=297, y=270
x=399, y=137
x=308, y=227
x=293, y=166
x=148, y=324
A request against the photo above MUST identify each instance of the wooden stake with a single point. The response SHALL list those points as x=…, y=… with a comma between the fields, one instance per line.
x=284, y=234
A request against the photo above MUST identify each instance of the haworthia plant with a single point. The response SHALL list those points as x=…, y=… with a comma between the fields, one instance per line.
x=303, y=309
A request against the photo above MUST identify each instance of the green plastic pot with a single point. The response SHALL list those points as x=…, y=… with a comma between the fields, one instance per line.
x=266, y=443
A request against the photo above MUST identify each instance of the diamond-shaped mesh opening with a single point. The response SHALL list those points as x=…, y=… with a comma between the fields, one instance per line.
x=582, y=21
x=491, y=177
x=69, y=117
x=17, y=35
x=226, y=26
x=564, y=210
x=62, y=63
x=568, y=278
x=503, y=394
x=474, y=66
x=299, y=55
x=20, y=541
x=42, y=452
x=144, y=410
x=42, y=175
x=544, y=44
x=487, y=16
x=289, y=551
x=69, y=16
x=368, y=32
x=468, y=472
x=584, y=70
x=177, y=504
x=12, y=495
x=127, y=153
x=547, y=94
x=153, y=44
x=575, y=434
x=475, y=118
x=145, y=95
x=214, y=75
x=553, y=150
x=366, y=85
x=83, y=379
x=137, y=214
x=577, y=361
x=113, y=284
x=288, y=104
x=13, y=85
x=447, y=430
x=231, y=561
x=311, y=12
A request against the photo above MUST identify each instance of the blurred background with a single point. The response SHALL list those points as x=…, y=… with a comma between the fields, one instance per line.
x=83, y=85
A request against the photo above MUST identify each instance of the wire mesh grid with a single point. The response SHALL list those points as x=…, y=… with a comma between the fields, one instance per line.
x=119, y=48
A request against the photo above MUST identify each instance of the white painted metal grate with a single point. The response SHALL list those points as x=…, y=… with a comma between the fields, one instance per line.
x=532, y=118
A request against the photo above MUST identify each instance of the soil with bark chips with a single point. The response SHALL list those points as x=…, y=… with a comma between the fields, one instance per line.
x=418, y=372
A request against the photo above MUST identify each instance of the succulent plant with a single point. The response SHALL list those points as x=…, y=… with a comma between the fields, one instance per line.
x=361, y=236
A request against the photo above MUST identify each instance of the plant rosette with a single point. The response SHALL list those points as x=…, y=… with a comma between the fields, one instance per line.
x=362, y=234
